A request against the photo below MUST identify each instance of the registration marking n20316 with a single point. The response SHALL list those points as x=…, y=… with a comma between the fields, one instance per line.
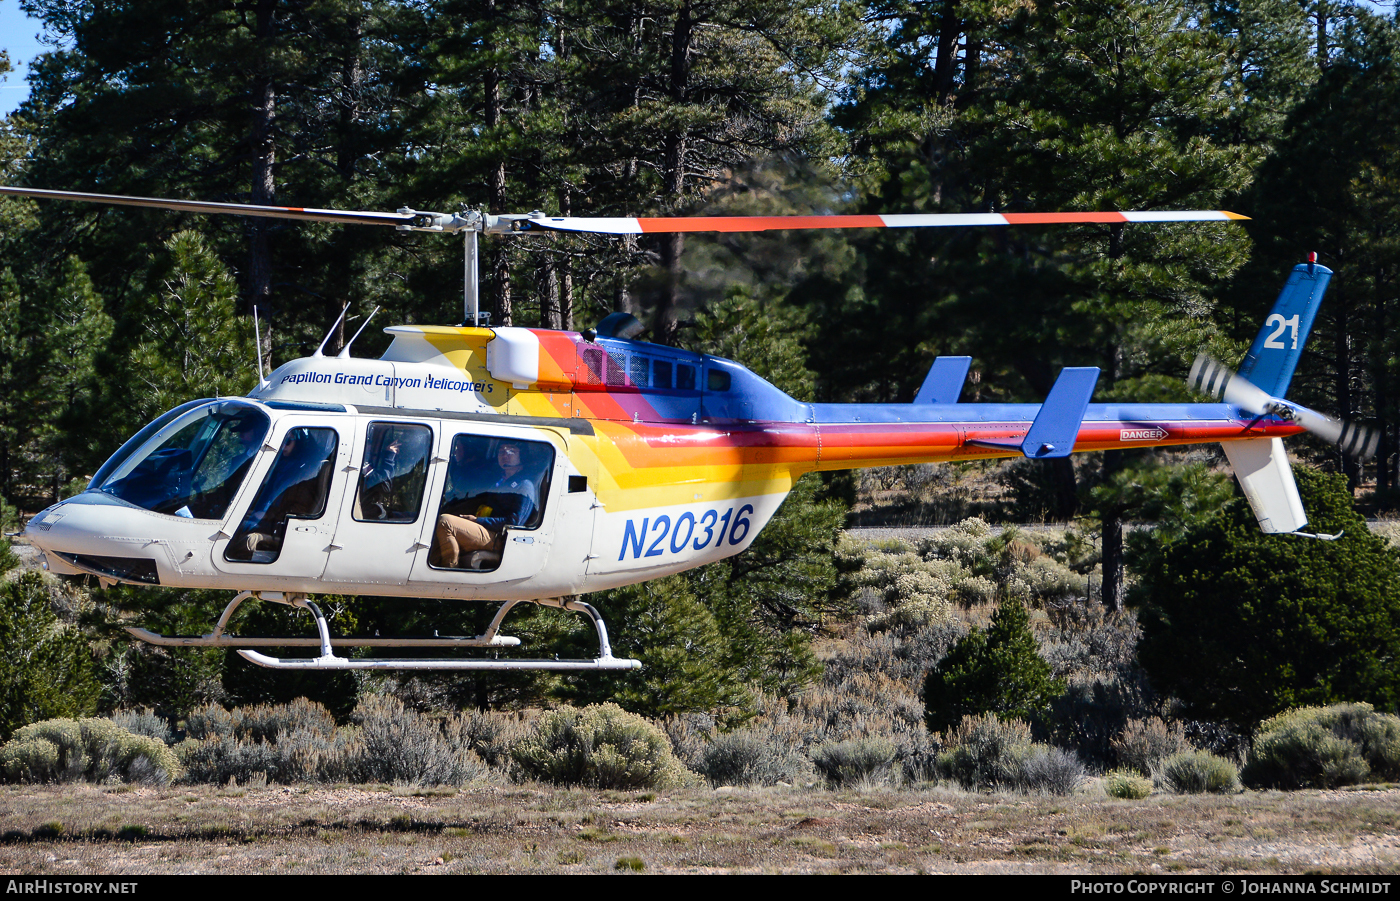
x=656, y=537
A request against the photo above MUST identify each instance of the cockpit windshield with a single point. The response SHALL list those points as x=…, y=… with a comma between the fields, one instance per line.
x=189, y=464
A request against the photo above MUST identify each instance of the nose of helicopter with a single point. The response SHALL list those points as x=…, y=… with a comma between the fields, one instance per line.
x=96, y=534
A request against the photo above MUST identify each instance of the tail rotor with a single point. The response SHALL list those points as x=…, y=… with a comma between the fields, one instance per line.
x=1215, y=379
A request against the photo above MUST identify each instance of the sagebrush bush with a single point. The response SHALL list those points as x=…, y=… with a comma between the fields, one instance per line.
x=299, y=742
x=1196, y=772
x=283, y=743
x=491, y=734
x=856, y=761
x=1325, y=747
x=600, y=746
x=294, y=757
x=984, y=752
x=86, y=750
x=144, y=722
x=752, y=757
x=397, y=744
x=1145, y=743
x=1127, y=784
x=261, y=722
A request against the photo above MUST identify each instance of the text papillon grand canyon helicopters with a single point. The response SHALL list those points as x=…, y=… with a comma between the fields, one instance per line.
x=527, y=465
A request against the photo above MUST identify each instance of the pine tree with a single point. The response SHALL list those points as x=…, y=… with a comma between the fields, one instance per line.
x=191, y=343
x=47, y=670
x=998, y=671
x=1239, y=625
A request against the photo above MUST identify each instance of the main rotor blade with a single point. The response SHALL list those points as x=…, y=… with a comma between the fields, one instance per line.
x=1214, y=378
x=352, y=217
x=654, y=225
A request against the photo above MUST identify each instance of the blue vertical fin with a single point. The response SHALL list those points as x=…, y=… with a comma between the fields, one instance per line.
x=944, y=382
x=1274, y=355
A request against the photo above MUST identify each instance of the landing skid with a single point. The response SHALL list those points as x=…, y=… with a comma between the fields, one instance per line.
x=329, y=661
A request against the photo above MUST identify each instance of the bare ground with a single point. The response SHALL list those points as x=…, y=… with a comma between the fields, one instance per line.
x=85, y=830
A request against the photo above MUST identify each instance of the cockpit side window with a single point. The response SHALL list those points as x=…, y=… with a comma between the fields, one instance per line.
x=188, y=465
x=394, y=473
x=493, y=484
x=295, y=488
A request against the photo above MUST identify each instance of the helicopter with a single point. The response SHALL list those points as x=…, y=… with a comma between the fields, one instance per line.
x=520, y=465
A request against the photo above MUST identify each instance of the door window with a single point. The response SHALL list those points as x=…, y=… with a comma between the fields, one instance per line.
x=394, y=473
x=493, y=484
x=295, y=488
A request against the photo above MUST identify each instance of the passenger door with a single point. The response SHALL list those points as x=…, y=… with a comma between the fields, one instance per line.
x=381, y=522
x=291, y=516
x=526, y=548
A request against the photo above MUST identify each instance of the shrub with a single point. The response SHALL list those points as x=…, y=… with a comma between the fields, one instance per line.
x=855, y=762
x=752, y=757
x=1144, y=744
x=491, y=734
x=402, y=745
x=1051, y=770
x=86, y=750
x=600, y=746
x=1127, y=784
x=144, y=722
x=999, y=671
x=985, y=752
x=286, y=743
x=1194, y=772
x=1325, y=747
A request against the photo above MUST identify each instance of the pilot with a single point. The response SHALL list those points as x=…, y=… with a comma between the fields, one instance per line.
x=214, y=494
x=467, y=470
x=509, y=500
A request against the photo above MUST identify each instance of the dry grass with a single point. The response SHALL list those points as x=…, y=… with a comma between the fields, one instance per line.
x=78, y=830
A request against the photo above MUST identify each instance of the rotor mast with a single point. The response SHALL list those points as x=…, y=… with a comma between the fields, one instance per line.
x=470, y=223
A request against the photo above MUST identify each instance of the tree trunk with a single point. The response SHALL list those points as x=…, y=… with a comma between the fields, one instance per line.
x=500, y=263
x=1112, y=540
x=673, y=176
x=945, y=65
x=549, y=305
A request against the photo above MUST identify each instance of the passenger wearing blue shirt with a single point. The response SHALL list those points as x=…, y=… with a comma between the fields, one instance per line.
x=508, y=500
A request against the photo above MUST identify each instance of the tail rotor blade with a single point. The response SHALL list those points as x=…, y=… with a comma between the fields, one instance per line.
x=1215, y=379
x=1357, y=441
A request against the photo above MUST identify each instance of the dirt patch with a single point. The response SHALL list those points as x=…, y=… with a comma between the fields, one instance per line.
x=511, y=829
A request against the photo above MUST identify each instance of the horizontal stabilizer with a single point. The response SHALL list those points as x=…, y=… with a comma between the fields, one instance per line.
x=1261, y=465
x=944, y=382
x=1056, y=426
